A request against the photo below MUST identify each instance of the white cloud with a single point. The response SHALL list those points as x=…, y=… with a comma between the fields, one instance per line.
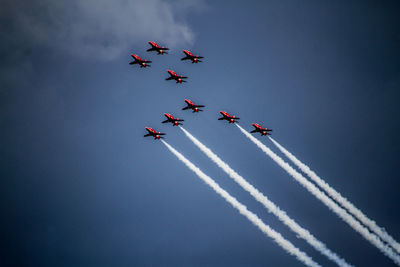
x=99, y=28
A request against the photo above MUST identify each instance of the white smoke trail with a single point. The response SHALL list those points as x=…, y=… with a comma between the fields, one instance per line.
x=373, y=239
x=274, y=209
x=277, y=237
x=340, y=199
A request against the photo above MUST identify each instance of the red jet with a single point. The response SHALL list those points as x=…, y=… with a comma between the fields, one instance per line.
x=261, y=130
x=155, y=47
x=174, y=121
x=141, y=62
x=192, y=57
x=191, y=105
x=153, y=133
x=176, y=77
x=229, y=118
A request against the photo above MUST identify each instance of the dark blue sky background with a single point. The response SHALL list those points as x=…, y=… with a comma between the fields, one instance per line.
x=80, y=186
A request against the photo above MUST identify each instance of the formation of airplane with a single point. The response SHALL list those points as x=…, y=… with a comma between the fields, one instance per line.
x=259, y=129
x=176, y=77
x=154, y=133
x=170, y=118
x=155, y=47
x=229, y=118
x=192, y=106
x=137, y=60
x=190, y=56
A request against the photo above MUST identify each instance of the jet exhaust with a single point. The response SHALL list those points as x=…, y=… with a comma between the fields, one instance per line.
x=271, y=207
x=340, y=199
x=342, y=213
x=277, y=237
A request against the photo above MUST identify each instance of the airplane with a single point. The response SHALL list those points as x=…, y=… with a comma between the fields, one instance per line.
x=192, y=57
x=153, y=133
x=191, y=105
x=156, y=47
x=176, y=77
x=170, y=118
x=229, y=118
x=261, y=130
x=141, y=62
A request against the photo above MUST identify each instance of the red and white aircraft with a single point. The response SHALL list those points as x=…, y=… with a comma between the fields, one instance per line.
x=141, y=62
x=192, y=57
x=155, y=47
x=191, y=105
x=152, y=132
x=176, y=77
x=261, y=130
x=170, y=118
x=229, y=118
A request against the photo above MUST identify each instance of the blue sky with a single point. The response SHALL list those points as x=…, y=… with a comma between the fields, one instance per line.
x=82, y=187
